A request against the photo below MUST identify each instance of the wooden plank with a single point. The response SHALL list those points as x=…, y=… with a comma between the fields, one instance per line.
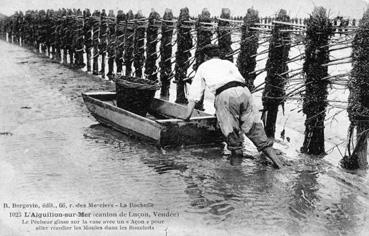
x=175, y=120
x=102, y=95
x=172, y=110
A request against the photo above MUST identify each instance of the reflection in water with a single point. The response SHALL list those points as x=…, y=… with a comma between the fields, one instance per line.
x=304, y=197
x=236, y=193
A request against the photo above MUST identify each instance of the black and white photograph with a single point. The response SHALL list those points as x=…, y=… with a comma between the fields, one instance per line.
x=184, y=118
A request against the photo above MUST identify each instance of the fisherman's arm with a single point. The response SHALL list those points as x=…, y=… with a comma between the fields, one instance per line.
x=196, y=91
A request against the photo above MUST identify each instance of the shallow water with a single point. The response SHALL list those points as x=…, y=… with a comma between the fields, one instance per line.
x=51, y=149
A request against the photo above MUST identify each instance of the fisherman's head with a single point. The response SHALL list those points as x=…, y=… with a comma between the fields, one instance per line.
x=210, y=51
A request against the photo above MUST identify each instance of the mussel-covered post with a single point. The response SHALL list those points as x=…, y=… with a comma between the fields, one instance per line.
x=166, y=52
x=49, y=31
x=277, y=75
x=111, y=43
x=319, y=30
x=69, y=37
x=95, y=41
x=204, y=30
x=184, y=45
x=103, y=40
x=129, y=42
x=87, y=32
x=42, y=29
x=139, y=44
x=55, y=37
x=225, y=35
x=28, y=28
x=246, y=62
x=2, y=29
x=119, y=47
x=152, y=40
x=358, y=106
x=78, y=40
x=64, y=32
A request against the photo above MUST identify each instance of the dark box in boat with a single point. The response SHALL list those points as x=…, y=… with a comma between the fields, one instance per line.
x=135, y=94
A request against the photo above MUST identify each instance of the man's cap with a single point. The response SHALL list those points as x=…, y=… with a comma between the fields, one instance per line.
x=210, y=49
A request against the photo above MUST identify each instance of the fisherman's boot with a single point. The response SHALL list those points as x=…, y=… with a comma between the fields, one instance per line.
x=272, y=155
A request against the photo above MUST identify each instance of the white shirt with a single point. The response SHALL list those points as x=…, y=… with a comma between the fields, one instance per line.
x=213, y=74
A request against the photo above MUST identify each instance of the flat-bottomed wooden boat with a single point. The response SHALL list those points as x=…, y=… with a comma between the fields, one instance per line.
x=163, y=124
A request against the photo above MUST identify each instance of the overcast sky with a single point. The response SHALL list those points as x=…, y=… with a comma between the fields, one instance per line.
x=300, y=8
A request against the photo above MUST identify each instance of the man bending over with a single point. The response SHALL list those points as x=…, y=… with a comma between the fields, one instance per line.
x=235, y=110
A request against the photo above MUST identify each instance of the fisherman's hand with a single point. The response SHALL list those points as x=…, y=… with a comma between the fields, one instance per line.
x=190, y=108
x=271, y=153
x=186, y=119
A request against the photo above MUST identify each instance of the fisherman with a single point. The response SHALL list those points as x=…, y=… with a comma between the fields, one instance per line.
x=235, y=110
